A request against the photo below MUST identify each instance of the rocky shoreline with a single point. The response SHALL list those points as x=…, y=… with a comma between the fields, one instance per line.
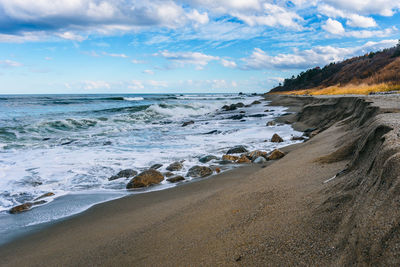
x=234, y=156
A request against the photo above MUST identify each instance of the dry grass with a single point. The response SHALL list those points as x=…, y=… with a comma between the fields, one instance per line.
x=361, y=89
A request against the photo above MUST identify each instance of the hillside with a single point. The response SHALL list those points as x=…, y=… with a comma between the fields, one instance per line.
x=381, y=67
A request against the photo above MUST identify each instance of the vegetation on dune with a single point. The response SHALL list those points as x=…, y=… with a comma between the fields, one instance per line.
x=373, y=72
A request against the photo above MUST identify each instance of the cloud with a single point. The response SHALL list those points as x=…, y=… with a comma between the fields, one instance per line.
x=71, y=36
x=366, y=7
x=115, y=55
x=361, y=21
x=150, y=72
x=228, y=63
x=92, y=85
x=10, y=63
x=180, y=59
x=333, y=26
x=317, y=56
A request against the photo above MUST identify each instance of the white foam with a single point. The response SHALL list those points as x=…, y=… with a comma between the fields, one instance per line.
x=133, y=98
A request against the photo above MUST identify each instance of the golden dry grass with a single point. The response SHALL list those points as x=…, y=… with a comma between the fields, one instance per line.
x=360, y=89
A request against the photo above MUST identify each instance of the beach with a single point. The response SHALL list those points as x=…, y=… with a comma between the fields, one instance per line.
x=332, y=200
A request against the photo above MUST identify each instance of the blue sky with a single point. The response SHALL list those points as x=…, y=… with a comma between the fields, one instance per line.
x=130, y=46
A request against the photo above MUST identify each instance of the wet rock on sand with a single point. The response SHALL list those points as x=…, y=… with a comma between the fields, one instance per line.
x=243, y=159
x=271, y=123
x=230, y=157
x=176, y=179
x=123, y=174
x=145, y=179
x=176, y=166
x=276, y=154
x=236, y=150
x=256, y=153
x=259, y=160
x=207, y=158
x=25, y=207
x=256, y=102
x=199, y=171
x=276, y=139
x=168, y=174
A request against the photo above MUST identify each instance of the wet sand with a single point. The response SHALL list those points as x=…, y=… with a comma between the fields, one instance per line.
x=283, y=213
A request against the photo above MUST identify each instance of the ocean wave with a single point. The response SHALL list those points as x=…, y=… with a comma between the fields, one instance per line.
x=133, y=98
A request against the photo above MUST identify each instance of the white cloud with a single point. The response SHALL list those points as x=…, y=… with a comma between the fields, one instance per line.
x=361, y=21
x=71, y=36
x=10, y=63
x=136, y=85
x=181, y=59
x=317, y=56
x=228, y=63
x=333, y=26
x=150, y=72
x=92, y=85
x=366, y=7
x=136, y=61
x=115, y=55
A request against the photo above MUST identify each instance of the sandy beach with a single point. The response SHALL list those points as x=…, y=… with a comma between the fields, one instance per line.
x=332, y=200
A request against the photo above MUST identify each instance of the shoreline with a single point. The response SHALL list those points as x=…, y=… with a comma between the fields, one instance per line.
x=285, y=213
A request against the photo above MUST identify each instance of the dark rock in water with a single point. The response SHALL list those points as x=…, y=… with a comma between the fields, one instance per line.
x=45, y=195
x=176, y=179
x=267, y=110
x=237, y=149
x=208, y=158
x=145, y=179
x=68, y=142
x=199, y=171
x=257, y=115
x=247, y=106
x=242, y=120
x=236, y=117
x=46, y=139
x=229, y=108
x=186, y=123
x=107, y=143
x=40, y=202
x=239, y=105
x=256, y=102
x=156, y=166
x=168, y=174
x=276, y=154
x=242, y=112
x=213, y=132
x=176, y=166
x=271, y=123
x=21, y=208
x=240, y=93
x=123, y=174
x=276, y=139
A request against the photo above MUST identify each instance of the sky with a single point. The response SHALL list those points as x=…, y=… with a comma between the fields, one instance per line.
x=181, y=46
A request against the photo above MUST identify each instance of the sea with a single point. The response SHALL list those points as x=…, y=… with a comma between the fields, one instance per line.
x=70, y=145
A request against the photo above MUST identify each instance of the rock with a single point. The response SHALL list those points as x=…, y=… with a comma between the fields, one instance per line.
x=297, y=138
x=256, y=153
x=242, y=111
x=213, y=132
x=224, y=162
x=40, y=202
x=276, y=154
x=168, y=174
x=271, y=123
x=107, y=143
x=199, y=171
x=176, y=179
x=237, y=149
x=45, y=195
x=229, y=108
x=230, y=157
x=259, y=160
x=243, y=159
x=256, y=102
x=21, y=208
x=257, y=115
x=217, y=170
x=145, y=178
x=156, y=166
x=276, y=139
x=239, y=105
x=186, y=123
x=176, y=166
x=236, y=117
x=267, y=110
x=208, y=158
x=123, y=174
